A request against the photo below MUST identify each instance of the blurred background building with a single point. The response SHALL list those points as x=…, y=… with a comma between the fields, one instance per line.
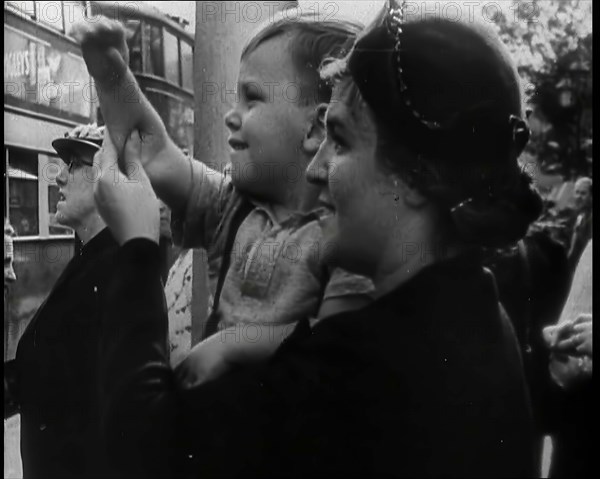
x=47, y=91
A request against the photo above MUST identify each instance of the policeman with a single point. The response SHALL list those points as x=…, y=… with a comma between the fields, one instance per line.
x=52, y=381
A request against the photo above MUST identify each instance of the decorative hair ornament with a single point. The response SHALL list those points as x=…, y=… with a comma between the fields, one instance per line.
x=394, y=22
x=395, y=19
x=520, y=131
x=461, y=205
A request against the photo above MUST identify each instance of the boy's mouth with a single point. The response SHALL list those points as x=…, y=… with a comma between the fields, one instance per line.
x=237, y=145
x=325, y=202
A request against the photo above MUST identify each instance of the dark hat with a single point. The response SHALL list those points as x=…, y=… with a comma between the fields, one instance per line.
x=448, y=83
x=447, y=89
x=81, y=141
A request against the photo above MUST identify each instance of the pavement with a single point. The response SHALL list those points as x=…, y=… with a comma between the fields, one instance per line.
x=14, y=470
x=12, y=450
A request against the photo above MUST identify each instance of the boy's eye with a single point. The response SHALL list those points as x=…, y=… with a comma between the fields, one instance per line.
x=338, y=144
x=252, y=93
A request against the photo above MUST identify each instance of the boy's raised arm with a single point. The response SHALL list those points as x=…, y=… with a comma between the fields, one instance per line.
x=125, y=108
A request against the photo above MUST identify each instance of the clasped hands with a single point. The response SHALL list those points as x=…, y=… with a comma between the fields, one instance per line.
x=123, y=193
x=570, y=344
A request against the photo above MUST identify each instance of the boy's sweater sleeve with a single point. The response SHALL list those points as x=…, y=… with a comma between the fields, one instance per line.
x=151, y=427
x=194, y=226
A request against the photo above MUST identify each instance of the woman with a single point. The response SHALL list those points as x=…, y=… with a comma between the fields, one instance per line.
x=425, y=381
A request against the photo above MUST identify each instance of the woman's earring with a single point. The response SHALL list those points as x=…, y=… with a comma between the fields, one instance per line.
x=396, y=196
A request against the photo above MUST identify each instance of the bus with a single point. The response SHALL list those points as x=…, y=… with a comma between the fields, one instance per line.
x=161, y=56
x=48, y=91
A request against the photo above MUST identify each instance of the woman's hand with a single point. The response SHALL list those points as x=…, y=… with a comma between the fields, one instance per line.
x=126, y=201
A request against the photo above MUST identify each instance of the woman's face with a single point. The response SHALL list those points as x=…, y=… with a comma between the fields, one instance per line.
x=361, y=194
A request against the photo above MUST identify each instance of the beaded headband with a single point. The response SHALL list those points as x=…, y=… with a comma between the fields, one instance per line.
x=394, y=22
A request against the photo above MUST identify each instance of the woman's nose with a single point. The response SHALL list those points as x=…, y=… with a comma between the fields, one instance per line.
x=317, y=171
x=233, y=120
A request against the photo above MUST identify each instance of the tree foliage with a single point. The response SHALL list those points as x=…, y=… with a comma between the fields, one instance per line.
x=551, y=41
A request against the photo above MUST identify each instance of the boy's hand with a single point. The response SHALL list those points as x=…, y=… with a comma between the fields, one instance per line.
x=126, y=201
x=207, y=360
x=227, y=349
x=103, y=45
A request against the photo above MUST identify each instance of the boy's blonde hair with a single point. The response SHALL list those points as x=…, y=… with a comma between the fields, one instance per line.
x=311, y=42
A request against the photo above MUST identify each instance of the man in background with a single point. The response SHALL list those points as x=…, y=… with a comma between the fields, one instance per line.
x=582, y=223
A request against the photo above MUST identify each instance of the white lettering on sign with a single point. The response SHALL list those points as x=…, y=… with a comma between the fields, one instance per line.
x=17, y=64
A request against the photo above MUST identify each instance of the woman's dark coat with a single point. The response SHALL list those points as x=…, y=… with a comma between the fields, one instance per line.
x=426, y=381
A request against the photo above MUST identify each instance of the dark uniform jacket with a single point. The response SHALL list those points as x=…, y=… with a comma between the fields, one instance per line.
x=425, y=381
x=55, y=369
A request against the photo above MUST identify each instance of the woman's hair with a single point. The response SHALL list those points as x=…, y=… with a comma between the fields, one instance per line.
x=448, y=122
x=311, y=42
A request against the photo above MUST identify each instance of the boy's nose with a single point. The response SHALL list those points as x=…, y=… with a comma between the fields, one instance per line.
x=233, y=120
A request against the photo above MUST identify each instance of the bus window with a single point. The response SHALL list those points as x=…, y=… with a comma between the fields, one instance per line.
x=74, y=12
x=50, y=13
x=153, y=50
x=171, y=52
x=178, y=118
x=24, y=8
x=187, y=66
x=133, y=31
x=23, y=191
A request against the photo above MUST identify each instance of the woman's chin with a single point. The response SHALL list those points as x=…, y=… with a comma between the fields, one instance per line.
x=329, y=229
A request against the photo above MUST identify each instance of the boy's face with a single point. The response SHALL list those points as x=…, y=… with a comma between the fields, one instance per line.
x=267, y=124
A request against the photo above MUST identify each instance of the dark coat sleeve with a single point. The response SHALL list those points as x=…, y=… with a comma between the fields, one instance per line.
x=11, y=395
x=154, y=429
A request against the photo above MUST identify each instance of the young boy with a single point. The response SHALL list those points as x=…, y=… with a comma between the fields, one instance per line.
x=259, y=225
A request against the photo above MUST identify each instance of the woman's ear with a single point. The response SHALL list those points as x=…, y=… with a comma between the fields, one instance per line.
x=315, y=134
x=409, y=193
